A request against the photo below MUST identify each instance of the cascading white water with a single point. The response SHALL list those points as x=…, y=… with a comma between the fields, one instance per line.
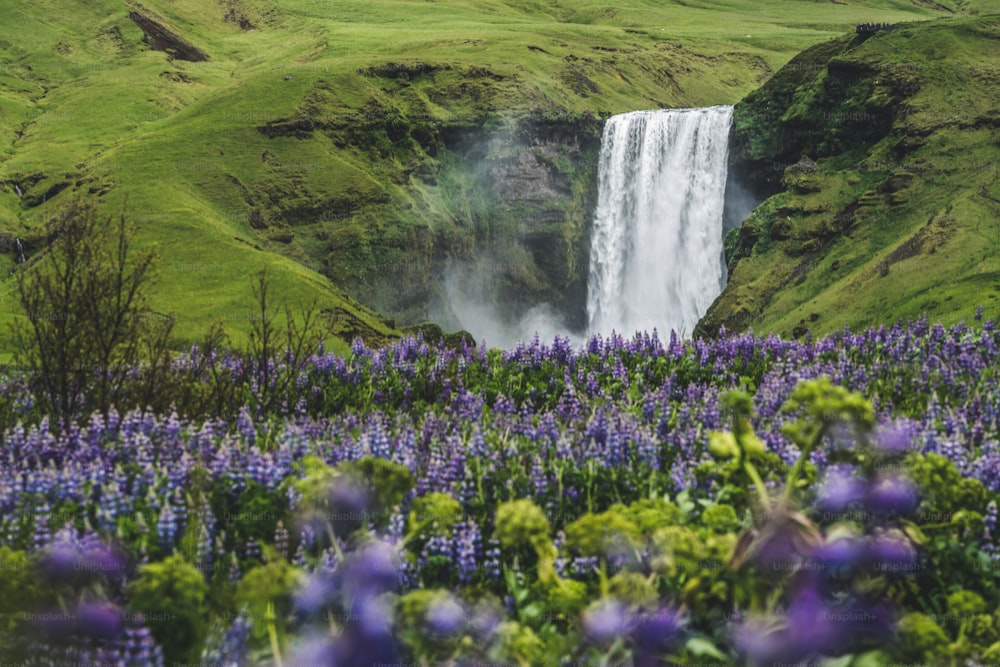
x=656, y=245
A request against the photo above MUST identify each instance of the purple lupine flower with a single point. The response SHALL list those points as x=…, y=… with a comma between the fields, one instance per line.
x=839, y=492
x=59, y=564
x=654, y=634
x=371, y=570
x=100, y=620
x=315, y=594
x=445, y=616
x=251, y=550
x=767, y=643
x=864, y=621
x=814, y=631
x=491, y=562
x=281, y=540
x=812, y=627
x=105, y=560
x=895, y=438
x=840, y=552
x=369, y=640
x=204, y=556
x=467, y=547
x=166, y=527
x=234, y=568
x=891, y=495
x=312, y=652
x=234, y=648
x=485, y=619
x=891, y=551
x=604, y=621
x=348, y=500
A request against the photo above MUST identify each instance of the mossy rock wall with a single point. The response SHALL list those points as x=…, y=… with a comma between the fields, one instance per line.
x=876, y=160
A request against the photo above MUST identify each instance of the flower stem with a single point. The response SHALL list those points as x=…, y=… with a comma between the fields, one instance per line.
x=272, y=633
x=800, y=462
x=765, y=500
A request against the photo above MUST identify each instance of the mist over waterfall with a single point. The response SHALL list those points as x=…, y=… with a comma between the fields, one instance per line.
x=656, y=255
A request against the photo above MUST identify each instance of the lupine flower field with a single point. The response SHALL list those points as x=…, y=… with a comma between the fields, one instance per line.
x=740, y=501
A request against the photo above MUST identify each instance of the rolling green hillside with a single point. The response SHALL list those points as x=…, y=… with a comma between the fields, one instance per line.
x=885, y=151
x=358, y=148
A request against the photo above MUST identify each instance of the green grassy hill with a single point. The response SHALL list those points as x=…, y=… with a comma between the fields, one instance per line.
x=341, y=146
x=884, y=151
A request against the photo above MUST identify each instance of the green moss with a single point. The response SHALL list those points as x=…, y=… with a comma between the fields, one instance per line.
x=887, y=223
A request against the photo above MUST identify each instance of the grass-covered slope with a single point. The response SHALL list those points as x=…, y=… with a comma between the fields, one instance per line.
x=323, y=141
x=884, y=152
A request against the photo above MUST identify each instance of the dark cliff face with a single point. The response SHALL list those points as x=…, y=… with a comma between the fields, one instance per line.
x=498, y=205
x=536, y=179
x=871, y=158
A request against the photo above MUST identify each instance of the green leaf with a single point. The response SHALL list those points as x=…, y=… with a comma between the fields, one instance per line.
x=752, y=445
x=913, y=532
x=875, y=658
x=532, y=610
x=700, y=646
x=722, y=445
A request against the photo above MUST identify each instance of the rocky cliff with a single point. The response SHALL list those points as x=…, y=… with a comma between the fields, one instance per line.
x=876, y=158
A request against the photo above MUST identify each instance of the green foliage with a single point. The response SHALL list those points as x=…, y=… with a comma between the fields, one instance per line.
x=720, y=519
x=632, y=588
x=318, y=478
x=944, y=490
x=979, y=631
x=678, y=550
x=389, y=482
x=519, y=644
x=603, y=535
x=433, y=514
x=920, y=640
x=171, y=594
x=255, y=512
x=827, y=404
x=723, y=445
x=521, y=523
x=649, y=514
x=565, y=599
x=266, y=592
x=992, y=654
x=21, y=589
x=966, y=603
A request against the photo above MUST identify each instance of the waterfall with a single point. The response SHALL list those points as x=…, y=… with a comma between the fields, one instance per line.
x=656, y=242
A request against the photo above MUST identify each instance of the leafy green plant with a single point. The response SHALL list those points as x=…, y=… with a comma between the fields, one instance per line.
x=265, y=595
x=171, y=597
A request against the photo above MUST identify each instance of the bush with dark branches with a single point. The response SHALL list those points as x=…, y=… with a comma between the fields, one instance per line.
x=87, y=333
